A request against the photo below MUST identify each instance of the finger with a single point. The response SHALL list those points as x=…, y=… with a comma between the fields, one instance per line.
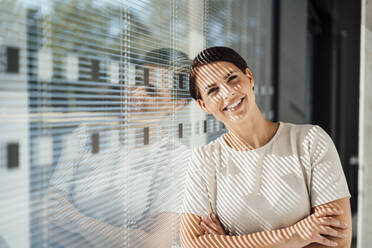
x=213, y=226
x=53, y=195
x=322, y=212
x=326, y=230
x=207, y=229
x=209, y=222
x=206, y=220
x=330, y=221
x=218, y=224
x=203, y=226
x=56, y=195
x=324, y=241
x=215, y=219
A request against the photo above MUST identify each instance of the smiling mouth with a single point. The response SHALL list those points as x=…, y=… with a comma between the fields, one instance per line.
x=235, y=106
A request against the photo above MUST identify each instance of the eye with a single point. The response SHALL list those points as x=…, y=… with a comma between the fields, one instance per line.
x=232, y=78
x=210, y=91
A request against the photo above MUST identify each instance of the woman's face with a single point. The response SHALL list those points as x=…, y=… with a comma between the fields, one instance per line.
x=157, y=102
x=226, y=91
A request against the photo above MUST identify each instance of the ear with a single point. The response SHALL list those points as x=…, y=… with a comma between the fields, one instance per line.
x=202, y=106
x=249, y=74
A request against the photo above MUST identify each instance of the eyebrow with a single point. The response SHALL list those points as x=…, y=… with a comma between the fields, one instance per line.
x=225, y=77
x=228, y=74
x=211, y=85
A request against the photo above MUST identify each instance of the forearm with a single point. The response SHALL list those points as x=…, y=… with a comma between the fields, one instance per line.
x=345, y=218
x=102, y=234
x=342, y=243
x=192, y=236
x=98, y=233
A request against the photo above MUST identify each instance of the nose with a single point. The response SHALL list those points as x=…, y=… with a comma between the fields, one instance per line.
x=227, y=91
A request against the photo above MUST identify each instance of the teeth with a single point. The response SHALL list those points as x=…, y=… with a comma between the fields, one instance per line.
x=234, y=104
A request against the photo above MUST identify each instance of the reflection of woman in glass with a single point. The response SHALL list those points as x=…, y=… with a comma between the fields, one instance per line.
x=270, y=184
x=118, y=195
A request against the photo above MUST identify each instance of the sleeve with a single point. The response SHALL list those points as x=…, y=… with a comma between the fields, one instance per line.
x=59, y=189
x=72, y=152
x=200, y=185
x=172, y=182
x=327, y=182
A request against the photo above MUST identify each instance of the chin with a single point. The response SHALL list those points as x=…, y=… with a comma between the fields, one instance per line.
x=241, y=117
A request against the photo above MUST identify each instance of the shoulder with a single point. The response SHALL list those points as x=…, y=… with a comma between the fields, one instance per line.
x=306, y=136
x=297, y=129
x=209, y=149
x=311, y=133
x=302, y=131
x=205, y=157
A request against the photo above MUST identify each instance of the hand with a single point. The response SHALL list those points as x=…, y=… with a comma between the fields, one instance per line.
x=60, y=211
x=313, y=228
x=212, y=225
x=140, y=99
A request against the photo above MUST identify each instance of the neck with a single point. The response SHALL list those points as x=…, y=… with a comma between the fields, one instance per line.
x=251, y=133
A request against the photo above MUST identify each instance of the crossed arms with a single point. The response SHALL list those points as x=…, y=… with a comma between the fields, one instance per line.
x=321, y=229
x=61, y=212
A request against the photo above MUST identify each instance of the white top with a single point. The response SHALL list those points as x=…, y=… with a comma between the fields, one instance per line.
x=267, y=188
x=120, y=186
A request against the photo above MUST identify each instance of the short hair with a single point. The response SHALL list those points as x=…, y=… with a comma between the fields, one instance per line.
x=208, y=56
x=167, y=57
x=173, y=59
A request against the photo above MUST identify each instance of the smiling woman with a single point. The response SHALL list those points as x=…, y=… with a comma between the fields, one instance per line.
x=270, y=184
x=226, y=98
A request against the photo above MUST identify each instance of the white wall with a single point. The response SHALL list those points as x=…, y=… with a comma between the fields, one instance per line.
x=14, y=183
x=365, y=129
x=292, y=58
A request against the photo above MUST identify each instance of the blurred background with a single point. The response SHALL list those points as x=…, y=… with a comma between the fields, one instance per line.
x=89, y=84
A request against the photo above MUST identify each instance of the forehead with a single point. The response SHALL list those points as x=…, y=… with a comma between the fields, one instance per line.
x=213, y=73
x=154, y=67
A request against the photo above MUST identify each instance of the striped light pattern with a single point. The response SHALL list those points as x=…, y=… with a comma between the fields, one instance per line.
x=262, y=196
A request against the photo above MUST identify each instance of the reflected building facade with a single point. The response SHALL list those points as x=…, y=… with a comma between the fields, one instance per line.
x=67, y=65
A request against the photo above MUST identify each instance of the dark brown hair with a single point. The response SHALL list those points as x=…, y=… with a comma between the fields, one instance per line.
x=208, y=56
x=173, y=59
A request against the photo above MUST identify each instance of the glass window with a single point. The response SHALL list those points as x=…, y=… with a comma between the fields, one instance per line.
x=12, y=59
x=100, y=109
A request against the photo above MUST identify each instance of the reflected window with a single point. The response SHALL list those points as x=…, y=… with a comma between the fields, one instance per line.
x=180, y=131
x=13, y=155
x=95, y=70
x=12, y=55
x=95, y=143
x=146, y=136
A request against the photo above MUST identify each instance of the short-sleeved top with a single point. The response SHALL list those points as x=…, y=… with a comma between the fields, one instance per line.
x=267, y=188
x=127, y=184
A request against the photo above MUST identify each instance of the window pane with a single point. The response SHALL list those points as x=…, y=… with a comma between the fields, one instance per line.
x=101, y=113
x=12, y=59
x=13, y=155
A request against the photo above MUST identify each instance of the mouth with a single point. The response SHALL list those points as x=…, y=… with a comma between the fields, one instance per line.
x=234, y=106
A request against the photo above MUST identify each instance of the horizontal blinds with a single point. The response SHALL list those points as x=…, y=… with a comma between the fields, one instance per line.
x=250, y=36
x=96, y=118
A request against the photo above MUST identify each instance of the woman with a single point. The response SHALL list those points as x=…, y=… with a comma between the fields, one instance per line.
x=262, y=179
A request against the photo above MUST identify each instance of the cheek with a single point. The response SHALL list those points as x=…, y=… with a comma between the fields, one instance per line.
x=244, y=89
x=238, y=87
x=215, y=101
x=214, y=106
